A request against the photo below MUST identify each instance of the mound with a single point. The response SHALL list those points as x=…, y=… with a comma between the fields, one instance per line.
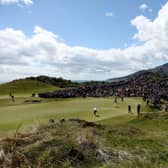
x=53, y=145
x=70, y=145
x=25, y=86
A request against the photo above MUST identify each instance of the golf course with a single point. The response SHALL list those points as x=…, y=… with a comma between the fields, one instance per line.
x=84, y=84
x=128, y=140
x=25, y=112
x=65, y=133
x=111, y=138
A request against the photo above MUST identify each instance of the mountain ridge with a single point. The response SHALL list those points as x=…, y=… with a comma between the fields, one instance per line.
x=161, y=70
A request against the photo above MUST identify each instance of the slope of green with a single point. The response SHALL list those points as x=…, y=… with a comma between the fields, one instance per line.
x=25, y=86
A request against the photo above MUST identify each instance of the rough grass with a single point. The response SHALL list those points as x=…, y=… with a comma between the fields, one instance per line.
x=79, y=144
x=57, y=145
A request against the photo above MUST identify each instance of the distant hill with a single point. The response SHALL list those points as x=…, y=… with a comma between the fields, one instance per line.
x=25, y=86
x=58, y=82
x=35, y=85
x=149, y=83
x=161, y=71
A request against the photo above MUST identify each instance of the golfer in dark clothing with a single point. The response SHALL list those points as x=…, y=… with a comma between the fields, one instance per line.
x=138, y=109
x=147, y=102
x=129, y=108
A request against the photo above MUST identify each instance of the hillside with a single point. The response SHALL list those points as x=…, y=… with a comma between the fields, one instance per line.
x=163, y=69
x=25, y=86
x=159, y=71
x=152, y=83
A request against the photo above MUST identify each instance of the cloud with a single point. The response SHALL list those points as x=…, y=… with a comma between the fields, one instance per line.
x=109, y=14
x=143, y=7
x=19, y=2
x=46, y=53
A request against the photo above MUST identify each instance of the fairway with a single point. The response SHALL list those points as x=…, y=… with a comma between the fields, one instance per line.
x=23, y=113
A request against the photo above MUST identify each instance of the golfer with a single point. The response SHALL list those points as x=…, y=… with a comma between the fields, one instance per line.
x=94, y=111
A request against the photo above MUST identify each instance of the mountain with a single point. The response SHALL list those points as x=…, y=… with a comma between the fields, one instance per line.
x=163, y=69
x=160, y=70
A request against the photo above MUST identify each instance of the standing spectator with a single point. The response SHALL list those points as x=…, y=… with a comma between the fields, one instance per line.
x=138, y=109
x=147, y=102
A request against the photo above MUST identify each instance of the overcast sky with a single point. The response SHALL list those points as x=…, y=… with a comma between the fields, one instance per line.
x=81, y=39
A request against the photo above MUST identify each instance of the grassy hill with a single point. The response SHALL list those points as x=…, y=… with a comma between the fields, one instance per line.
x=25, y=86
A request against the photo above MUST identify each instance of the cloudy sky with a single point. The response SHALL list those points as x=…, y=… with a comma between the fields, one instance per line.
x=81, y=39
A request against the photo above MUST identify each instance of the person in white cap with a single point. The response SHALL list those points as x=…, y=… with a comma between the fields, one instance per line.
x=94, y=111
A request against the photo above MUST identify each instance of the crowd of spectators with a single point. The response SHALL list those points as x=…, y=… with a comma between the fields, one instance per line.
x=145, y=86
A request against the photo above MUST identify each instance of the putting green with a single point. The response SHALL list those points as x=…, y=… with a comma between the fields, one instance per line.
x=26, y=113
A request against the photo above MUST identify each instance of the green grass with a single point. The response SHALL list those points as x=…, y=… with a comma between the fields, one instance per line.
x=145, y=139
x=57, y=145
x=20, y=112
x=25, y=87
